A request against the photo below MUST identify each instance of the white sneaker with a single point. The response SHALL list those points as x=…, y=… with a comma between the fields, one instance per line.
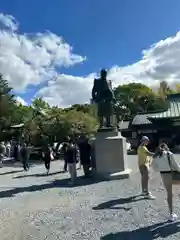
x=150, y=196
x=173, y=217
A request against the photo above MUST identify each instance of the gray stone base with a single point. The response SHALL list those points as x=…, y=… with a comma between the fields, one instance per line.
x=111, y=156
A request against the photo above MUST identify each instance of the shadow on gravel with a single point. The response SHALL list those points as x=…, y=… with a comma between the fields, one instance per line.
x=38, y=175
x=11, y=172
x=156, y=231
x=112, y=204
x=15, y=164
x=60, y=183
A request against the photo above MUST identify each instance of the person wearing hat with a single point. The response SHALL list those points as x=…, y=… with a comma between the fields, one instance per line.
x=144, y=160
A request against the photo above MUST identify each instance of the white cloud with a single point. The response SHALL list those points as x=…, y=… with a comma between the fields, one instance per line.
x=8, y=22
x=30, y=59
x=21, y=101
x=66, y=90
x=160, y=62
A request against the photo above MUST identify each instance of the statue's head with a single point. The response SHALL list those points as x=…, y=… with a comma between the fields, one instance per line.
x=103, y=73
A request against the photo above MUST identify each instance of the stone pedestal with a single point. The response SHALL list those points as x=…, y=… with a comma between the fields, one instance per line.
x=111, y=155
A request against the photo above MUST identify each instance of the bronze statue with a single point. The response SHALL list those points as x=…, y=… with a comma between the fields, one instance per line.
x=103, y=96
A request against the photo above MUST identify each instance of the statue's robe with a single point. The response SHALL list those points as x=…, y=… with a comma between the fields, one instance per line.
x=103, y=95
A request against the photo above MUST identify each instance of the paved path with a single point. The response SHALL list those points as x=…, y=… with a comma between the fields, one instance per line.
x=34, y=206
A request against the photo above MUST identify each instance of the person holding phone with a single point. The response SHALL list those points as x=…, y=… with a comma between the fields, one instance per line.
x=144, y=160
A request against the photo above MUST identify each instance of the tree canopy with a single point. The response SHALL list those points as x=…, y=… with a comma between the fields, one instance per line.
x=138, y=97
x=41, y=121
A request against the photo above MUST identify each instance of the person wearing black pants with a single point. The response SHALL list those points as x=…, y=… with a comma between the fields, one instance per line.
x=47, y=164
x=85, y=155
x=65, y=145
x=24, y=157
x=47, y=159
x=64, y=149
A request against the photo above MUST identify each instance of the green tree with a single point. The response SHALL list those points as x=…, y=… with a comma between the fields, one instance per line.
x=40, y=103
x=81, y=123
x=7, y=105
x=85, y=108
x=137, y=97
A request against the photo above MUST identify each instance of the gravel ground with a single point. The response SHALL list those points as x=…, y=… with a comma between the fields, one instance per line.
x=35, y=206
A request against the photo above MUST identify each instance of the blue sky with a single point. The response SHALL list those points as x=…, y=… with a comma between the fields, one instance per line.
x=108, y=33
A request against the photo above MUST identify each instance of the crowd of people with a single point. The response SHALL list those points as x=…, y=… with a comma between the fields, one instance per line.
x=15, y=151
x=74, y=151
x=162, y=161
x=82, y=151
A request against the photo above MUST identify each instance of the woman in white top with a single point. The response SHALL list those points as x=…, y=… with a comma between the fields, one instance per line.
x=164, y=162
